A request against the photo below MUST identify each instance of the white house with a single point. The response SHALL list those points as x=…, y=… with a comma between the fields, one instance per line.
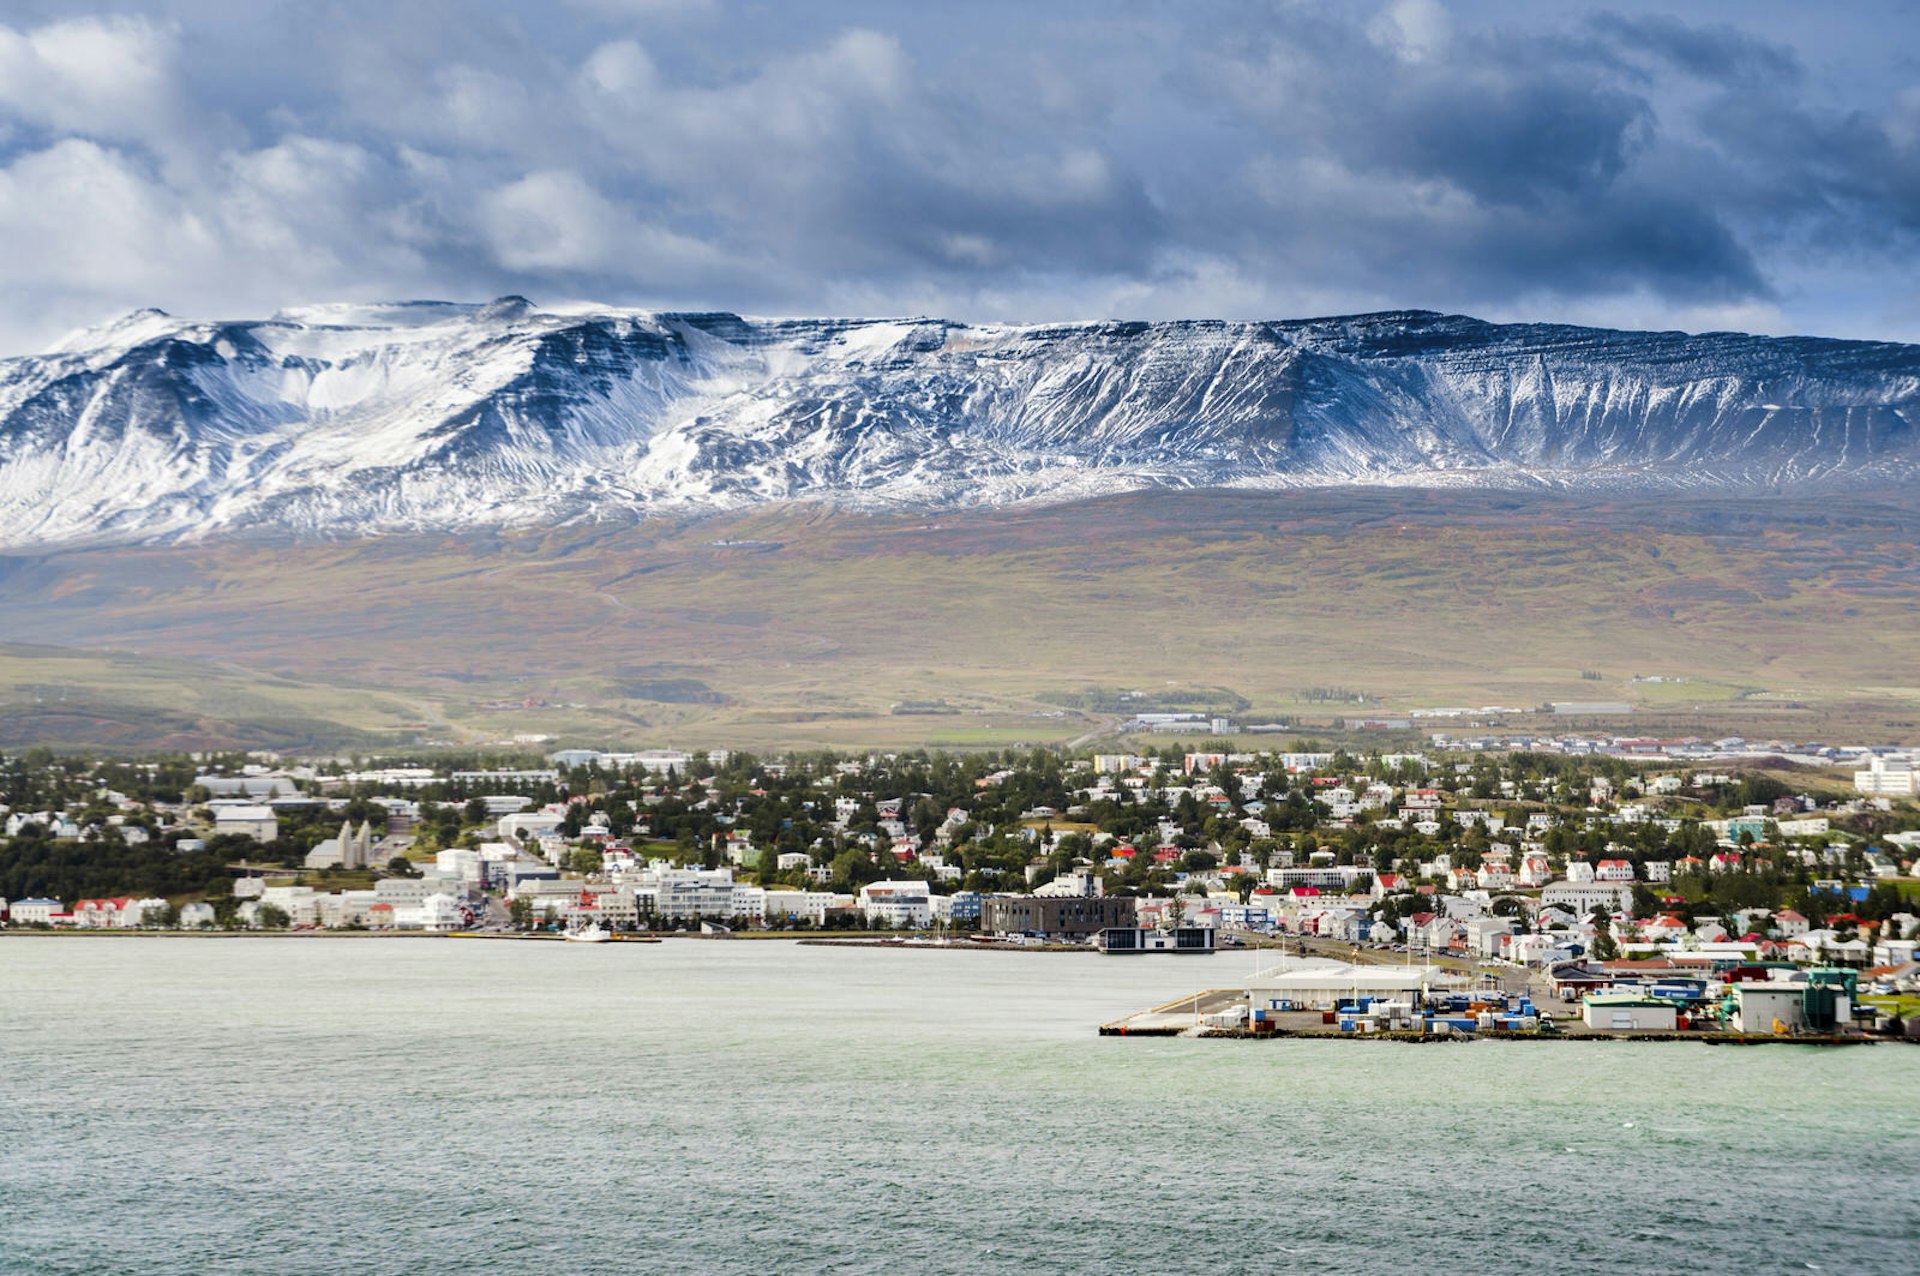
x=1081, y=883
x=1664, y=929
x=34, y=912
x=807, y=906
x=1487, y=935
x=525, y=826
x=1530, y=950
x=246, y=819
x=121, y=913
x=138, y=911
x=1581, y=898
x=1494, y=875
x=898, y=904
x=436, y=912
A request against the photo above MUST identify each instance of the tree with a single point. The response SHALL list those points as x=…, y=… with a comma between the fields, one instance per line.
x=1604, y=948
x=271, y=917
x=520, y=912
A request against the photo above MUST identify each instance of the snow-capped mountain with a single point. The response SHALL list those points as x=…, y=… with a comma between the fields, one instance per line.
x=348, y=419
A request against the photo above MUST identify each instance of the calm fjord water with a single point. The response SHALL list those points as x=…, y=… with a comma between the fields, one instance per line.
x=412, y=1105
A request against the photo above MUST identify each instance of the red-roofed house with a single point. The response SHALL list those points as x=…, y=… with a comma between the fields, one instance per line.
x=1664, y=929
x=1494, y=875
x=97, y=914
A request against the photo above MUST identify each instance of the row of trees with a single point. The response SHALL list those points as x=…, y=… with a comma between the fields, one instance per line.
x=35, y=864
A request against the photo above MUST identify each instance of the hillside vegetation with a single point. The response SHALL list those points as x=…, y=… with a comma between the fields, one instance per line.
x=795, y=626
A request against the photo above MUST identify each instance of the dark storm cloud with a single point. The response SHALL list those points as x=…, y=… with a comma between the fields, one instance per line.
x=1709, y=52
x=1737, y=165
x=1467, y=163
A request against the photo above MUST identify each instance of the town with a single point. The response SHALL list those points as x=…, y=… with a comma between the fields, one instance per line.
x=1643, y=888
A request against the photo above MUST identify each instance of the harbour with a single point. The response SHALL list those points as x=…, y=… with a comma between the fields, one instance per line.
x=1318, y=998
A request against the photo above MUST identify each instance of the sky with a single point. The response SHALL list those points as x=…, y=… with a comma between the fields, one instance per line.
x=1750, y=166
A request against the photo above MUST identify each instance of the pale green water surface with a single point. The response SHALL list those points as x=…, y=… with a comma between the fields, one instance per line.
x=421, y=1105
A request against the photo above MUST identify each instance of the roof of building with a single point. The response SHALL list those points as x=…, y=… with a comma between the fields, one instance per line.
x=221, y=813
x=1345, y=978
x=1625, y=1000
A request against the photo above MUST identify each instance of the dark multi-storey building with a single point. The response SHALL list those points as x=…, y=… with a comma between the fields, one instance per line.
x=1054, y=917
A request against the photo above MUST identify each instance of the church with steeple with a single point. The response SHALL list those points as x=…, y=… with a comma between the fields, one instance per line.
x=353, y=848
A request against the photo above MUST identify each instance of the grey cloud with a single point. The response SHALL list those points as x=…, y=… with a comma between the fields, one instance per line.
x=1709, y=52
x=1483, y=168
x=988, y=161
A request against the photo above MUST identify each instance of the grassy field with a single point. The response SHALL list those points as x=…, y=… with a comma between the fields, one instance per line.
x=117, y=699
x=798, y=627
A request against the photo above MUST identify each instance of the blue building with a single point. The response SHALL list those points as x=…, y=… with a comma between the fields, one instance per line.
x=964, y=906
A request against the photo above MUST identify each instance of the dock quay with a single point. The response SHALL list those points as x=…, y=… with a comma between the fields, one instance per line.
x=1187, y=1016
x=1316, y=998
x=949, y=946
x=1222, y=1013
x=541, y=937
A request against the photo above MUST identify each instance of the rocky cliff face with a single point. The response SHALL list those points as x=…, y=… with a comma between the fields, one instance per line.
x=341, y=420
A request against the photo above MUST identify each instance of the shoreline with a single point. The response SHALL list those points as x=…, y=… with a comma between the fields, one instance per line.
x=1461, y=1038
x=840, y=938
x=958, y=945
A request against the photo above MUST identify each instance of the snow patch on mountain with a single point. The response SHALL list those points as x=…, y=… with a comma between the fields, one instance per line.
x=345, y=419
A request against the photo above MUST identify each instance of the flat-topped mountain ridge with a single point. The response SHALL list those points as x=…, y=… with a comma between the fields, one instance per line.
x=348, y=419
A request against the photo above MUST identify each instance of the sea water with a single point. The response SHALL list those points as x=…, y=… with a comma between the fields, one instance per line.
x=366, y=1105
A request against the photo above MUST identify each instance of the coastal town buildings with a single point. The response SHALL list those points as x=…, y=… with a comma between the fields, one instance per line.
x=1510, y=856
